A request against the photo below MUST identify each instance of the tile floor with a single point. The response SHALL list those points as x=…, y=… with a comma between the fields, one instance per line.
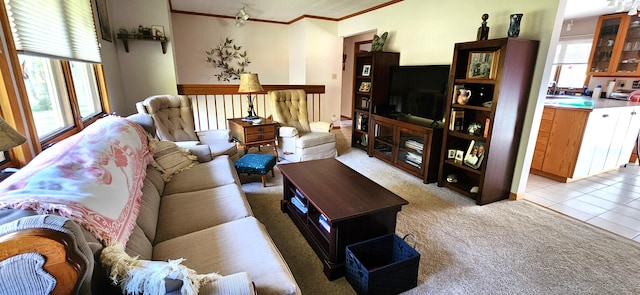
x=610, y=200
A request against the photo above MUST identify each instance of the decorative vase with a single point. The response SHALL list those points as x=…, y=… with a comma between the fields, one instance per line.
x=463, y=96
x=514, y=25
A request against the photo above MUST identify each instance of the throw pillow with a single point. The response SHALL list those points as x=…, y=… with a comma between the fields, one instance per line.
x=169, y=158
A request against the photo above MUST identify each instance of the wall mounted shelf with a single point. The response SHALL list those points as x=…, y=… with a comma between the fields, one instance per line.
x=125, y=40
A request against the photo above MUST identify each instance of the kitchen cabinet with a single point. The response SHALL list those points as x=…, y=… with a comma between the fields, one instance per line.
x=596, y=141
x=628, y=145
x=574, y=143
x=616, y=46
x=559, y=142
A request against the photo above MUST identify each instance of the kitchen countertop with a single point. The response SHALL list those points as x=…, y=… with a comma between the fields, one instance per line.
x=585, y=102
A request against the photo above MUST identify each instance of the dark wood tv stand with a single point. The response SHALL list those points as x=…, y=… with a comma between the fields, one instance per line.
x=356, y=208
x=409, y=143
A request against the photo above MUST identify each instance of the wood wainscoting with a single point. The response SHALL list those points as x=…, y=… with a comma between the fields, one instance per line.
x=213, y=104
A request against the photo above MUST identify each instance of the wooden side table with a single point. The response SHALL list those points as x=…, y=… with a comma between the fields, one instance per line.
x=249, y=134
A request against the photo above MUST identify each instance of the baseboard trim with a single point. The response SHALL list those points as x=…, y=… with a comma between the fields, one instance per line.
x=516, y=196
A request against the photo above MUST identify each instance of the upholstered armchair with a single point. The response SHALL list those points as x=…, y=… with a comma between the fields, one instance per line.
x=173, y=118
x=299, y=139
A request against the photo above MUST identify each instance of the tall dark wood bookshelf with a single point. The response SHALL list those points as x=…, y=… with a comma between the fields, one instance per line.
x=372, y=68
x=497, y=104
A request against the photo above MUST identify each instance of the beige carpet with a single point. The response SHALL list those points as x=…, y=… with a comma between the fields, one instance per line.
x=508, y=247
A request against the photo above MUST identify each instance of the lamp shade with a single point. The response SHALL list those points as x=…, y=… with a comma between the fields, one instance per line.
x=9, y=137
x=249, y=83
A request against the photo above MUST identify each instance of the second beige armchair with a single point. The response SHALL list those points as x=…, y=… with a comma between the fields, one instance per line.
x=299, y=139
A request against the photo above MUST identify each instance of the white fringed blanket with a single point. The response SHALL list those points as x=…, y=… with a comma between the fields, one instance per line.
x=94, y=178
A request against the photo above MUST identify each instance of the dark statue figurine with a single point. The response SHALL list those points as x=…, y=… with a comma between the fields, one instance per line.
x=514, y=25
x=483, y=31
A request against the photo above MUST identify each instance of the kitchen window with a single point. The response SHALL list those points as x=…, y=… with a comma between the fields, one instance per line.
x=571, y=61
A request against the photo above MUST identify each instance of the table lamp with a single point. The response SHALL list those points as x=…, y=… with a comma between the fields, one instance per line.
x=9, y=137
x=249, y=83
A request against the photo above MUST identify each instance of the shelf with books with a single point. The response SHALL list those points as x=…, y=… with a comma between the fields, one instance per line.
x=370, y=89
x=489, y=82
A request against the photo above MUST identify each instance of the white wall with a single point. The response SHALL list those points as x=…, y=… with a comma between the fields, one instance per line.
x=266, y=45
x=324, y=66
x=297, y=53
x=144, y=70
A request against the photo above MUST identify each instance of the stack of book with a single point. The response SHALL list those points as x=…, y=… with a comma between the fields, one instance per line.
x=413, y=159
x=299, y=204
x=412, y=144
x=456, y=122
x=322, y=220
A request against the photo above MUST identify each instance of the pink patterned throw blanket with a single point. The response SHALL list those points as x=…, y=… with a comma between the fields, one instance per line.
x=94, y=178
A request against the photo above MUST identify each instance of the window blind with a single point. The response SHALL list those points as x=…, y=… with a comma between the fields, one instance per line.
x=573, y=50
x=54, y=28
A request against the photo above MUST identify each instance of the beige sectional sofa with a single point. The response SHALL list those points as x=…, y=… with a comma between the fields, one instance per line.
x=201, y=215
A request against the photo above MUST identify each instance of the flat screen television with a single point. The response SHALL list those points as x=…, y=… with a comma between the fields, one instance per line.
x=418, y=92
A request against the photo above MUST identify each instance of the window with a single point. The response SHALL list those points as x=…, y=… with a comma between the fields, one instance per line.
x=59, y=55
x=86, y=86
x=51, y=100
x=50, y=106
x=570, y=64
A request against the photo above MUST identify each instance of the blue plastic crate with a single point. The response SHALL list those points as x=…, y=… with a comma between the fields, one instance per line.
x=383, y=265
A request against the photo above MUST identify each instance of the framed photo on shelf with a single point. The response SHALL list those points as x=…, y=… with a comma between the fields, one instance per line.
x=157, y=31
x=459, y=156
x=451, y=154
x=366, y=70
x=364, y=102
x=365, y=87
x=482, y=64
x=475, y=154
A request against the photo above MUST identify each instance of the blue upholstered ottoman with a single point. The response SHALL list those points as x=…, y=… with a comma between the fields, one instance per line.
x=256, y=164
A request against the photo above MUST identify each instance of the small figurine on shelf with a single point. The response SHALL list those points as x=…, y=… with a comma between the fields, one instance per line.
x=514, y=25
x=483, y=30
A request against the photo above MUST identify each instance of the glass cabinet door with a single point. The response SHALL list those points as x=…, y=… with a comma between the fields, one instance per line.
x=604, y=45
x=411, y=145
x=628, y=61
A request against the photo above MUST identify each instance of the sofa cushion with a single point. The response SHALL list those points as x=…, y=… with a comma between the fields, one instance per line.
x=149, y=206
x=314, y=139
x=139, y=245
x=217, y=172
x=235, y=246
x=184, y=213
x=170, y=158
x=155, y=177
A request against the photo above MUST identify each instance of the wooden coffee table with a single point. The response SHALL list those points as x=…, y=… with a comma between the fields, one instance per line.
x=355, y=207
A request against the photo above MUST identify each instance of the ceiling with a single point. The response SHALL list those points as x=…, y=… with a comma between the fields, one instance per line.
x=279, y=10
x=587, y=8
x=288, y=10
